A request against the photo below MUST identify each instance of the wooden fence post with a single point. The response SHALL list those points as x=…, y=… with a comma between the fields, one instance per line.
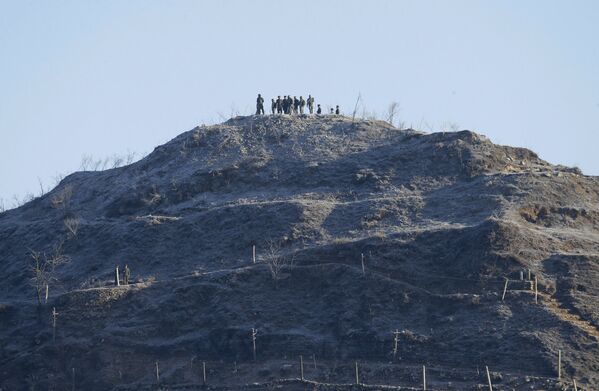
x=116, y=276
x=254, y=253
x=301, y=367
x=489, y=378
x=157, y=373
x=204, y=371
x=424, y=378
x=47, y=289
x=575, y=388
x=54, y=315
x=559, y=364
x=254, y=332
x=504, y=289
x=363, y=266
x=395, y=343
x=357, y=375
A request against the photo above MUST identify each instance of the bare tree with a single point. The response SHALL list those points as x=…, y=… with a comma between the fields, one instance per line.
x=43, y=267
x=276, y=261
x=117, y=161
x=72, y=225
x=62, y=198
x=58, y=178
x=105, y=163
x=97, y=164
x=153, y=198
x=17, y=202
x=42, y=190
x=86, y=162
x=392, y=111
x=130, y=157
x=449, y=126
x=2, y=206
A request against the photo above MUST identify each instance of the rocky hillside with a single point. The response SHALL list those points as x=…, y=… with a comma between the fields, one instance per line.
x=359, y=230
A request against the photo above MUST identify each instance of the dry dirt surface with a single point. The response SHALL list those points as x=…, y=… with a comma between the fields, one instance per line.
x=378, y=252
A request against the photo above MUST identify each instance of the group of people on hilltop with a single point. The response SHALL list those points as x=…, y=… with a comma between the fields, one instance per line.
x=290, y=106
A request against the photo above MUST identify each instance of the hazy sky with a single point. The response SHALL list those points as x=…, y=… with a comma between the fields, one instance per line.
x=104, y=77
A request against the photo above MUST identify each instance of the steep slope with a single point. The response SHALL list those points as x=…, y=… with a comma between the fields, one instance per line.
x=377, y=229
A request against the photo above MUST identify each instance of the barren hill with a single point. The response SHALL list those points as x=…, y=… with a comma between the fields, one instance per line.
x=360, y=230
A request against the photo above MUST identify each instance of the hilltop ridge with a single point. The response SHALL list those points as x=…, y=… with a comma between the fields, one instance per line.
x=376, y=229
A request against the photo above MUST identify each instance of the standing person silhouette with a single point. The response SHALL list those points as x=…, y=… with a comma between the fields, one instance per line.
x=259, y=105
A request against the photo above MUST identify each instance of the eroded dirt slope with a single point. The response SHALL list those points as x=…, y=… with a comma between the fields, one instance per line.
x=378, y=229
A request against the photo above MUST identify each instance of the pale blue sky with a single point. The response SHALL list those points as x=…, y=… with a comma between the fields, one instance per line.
x=103, y=77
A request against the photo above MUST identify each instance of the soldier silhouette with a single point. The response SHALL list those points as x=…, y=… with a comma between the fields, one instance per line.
x=259, y=105
x=310, y=102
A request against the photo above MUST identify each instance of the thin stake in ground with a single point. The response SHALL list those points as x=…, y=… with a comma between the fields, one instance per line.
x=504, y=289
x=204, y=371
x=424, y=377
x=363, y=266
x=254, y=332
x=395, y=343
x=357, y=374
x=489, y=378
x=54, y=315
x=559, y=364
x=157, y=373
x=301, y=368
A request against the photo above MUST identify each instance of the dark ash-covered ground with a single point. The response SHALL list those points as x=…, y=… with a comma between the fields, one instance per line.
x=441, y=220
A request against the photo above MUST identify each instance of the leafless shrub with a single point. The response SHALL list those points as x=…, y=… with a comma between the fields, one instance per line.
x=369, y=115
x=153, y=198
x=86, y=162
x=275, y=260
x=43, y=267
x=392, y=111
x=17, y=202
x=130, y=157
x=62, y=198
x=42, y=189
x=72, y=225
x=234, y=111
x=117, y=161
x=89, y=163
x=2, y=206
x=353, y=117
x=96, y=165
x=58, y=178
x=451, y=126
